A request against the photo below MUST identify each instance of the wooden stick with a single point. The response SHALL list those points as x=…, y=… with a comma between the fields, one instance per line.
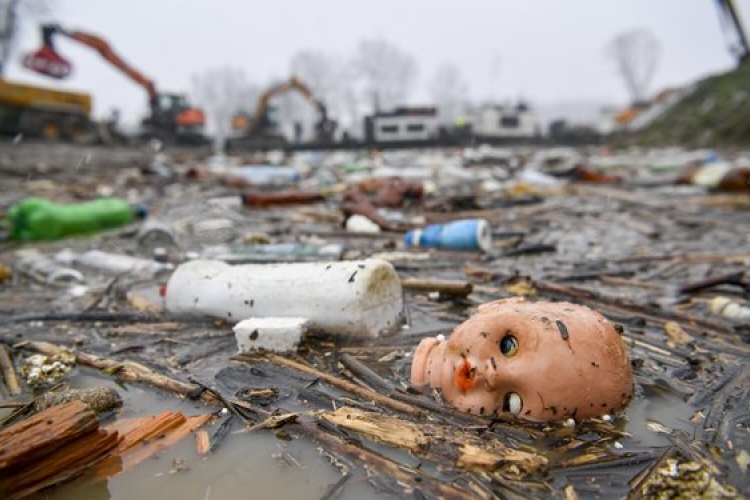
x=126, y=370
x=9, y=372
x=345, y=385
x=446, y=287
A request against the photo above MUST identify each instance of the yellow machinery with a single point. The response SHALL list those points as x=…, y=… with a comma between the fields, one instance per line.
x=262, y=125
x=43, y=112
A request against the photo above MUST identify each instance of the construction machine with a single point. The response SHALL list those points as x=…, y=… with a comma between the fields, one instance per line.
x=43, y=112
x=261, y=127
x=171, y=116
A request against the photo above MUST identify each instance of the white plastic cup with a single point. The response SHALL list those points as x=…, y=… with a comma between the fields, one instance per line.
x=357, y=298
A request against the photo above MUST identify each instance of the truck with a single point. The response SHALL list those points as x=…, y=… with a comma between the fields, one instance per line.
x=44, y=112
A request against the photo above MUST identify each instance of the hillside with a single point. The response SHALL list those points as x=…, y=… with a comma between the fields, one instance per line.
x=717, y=113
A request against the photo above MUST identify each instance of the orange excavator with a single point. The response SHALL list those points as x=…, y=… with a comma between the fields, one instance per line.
x=262, y=126
x=171, y=117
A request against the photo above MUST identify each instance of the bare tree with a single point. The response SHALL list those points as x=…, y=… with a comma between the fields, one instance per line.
x=222, y=92
x=636, y=54
x=319, y=72
x=387, y=72
x=12, y=12
x=449, y=92
x=324, y=75
x=293, y=111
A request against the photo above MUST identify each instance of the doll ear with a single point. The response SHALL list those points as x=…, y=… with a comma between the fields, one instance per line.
x=421, y=361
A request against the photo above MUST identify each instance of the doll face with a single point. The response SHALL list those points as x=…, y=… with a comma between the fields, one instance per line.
x=543, y=361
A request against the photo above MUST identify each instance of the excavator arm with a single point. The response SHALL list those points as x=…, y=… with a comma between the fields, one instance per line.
x=324, y=126
x=105, y=50
x=171, y=114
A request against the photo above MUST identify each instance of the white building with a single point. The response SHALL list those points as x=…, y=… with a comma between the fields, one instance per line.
x=403, y=124
x=498, y=121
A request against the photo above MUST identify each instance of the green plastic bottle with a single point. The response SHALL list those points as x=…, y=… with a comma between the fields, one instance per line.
x=37, y=219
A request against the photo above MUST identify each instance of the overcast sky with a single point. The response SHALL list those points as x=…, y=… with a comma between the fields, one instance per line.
x=548, y=50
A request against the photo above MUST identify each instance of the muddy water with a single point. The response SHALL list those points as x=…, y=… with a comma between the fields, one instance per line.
x=259, y=465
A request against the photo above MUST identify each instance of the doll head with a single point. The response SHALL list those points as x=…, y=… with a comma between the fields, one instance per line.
x=537, y=360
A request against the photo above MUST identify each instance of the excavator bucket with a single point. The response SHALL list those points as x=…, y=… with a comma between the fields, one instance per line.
x=47, y=62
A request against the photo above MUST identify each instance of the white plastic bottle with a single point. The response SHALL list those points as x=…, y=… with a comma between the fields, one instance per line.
x=359, y=298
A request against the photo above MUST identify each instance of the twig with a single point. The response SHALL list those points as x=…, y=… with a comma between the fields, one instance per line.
x=229, y=406
x=97, y=316
x=345, y=385
x=445, y=287
x=366, y=373
x=221, y=433
x=126, y=370
x=9, y=372
x=723, y=279
x=336, y=487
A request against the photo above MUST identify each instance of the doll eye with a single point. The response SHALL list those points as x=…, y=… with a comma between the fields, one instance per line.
x=509, y=345
x=512, y=403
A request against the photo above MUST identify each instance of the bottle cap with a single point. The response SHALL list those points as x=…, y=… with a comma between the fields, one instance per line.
x=140, y=211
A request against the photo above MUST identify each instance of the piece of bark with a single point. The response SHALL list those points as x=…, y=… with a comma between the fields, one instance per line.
x=53, y=446
x=202, y=442
x=252, y=198
x=144, y=437
x=33, y=438
x=471, y=451
x=98, y=399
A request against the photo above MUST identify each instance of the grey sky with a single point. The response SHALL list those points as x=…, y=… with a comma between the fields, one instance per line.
x=548, y=50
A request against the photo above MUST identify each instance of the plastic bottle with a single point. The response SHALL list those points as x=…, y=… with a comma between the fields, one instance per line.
x=43, y=268
x=39, y=219
x=113, y=263
x=469, y=234
x=359, y=298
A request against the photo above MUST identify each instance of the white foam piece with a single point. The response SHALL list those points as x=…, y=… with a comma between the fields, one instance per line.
x=269, y=334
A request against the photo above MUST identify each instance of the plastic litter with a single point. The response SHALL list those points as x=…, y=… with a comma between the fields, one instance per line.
x=729, y=308
x=154, y=233
x=361, y=224
x=358, y=298
x=269, y=334
x=262, y=175
x=38, y=219
x=468, y=234
x=113, y=263
x=45, y=269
